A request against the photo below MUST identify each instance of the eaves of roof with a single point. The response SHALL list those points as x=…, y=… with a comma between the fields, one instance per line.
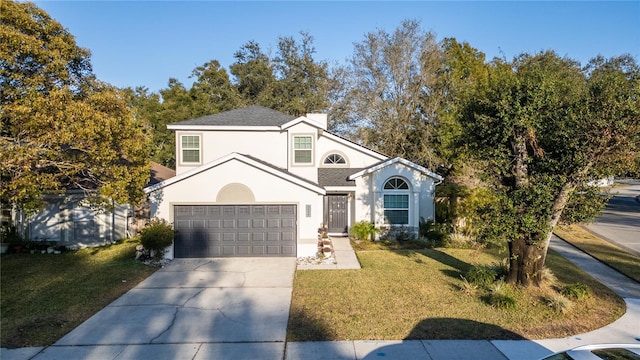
x=249, y=160
x=405, y=162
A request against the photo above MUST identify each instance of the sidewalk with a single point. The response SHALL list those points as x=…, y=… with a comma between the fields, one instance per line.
x=625, y=330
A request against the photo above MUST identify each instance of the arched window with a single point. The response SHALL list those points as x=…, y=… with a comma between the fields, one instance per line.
x=334, y=159
x=396, y=184
x=396, y=201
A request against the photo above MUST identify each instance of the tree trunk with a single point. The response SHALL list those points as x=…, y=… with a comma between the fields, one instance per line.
x=526, y=260
x=556, y=212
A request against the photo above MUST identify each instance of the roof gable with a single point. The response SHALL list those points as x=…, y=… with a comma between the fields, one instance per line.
x=249, y=160
x=405, y=162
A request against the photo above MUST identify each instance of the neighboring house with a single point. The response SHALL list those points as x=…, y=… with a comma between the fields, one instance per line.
x=67, y=220
x=256, y=182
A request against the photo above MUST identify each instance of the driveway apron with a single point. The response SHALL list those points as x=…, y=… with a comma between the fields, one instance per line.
x=197, y=301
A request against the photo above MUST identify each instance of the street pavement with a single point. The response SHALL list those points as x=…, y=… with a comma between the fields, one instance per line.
x=619, y=223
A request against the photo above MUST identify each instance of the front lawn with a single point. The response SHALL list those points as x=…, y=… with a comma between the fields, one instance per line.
x=44, y=296
x=416, y=294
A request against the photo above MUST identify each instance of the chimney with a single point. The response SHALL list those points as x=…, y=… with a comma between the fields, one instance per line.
x=320, y=118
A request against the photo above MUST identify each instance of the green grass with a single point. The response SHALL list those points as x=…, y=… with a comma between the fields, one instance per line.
x=44, y=296
x=608, y=253
x=419, y=294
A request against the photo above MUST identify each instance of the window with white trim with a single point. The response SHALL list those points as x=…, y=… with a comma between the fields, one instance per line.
x=190, y=148
x=396, y=202
x=334, y=159
x=303, y=149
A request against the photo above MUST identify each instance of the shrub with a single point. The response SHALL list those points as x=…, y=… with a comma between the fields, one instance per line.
x=501, y=296
x=575, y=291
x=9, y=234
x=548, y=277
x=481, y=275
x=156, y=236
x=503, y=301
x=458, y=240
x=363, y=230
x=559, y=303
x=468, y=288
x=501, y=267
x=436, y=233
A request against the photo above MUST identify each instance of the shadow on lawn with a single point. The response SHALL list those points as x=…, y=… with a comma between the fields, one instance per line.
x=450, y=328
x=459, y=267
x=302, y=327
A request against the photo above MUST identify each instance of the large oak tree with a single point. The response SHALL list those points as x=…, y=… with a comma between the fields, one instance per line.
x=60, y=127
x=545, y=127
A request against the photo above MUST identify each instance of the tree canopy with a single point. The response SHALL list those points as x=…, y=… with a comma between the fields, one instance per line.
x=391, y=98
x=291, y=81
x=545, y=127
x=61, y=128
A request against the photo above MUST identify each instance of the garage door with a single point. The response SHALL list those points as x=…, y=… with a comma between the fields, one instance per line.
x=234, y=230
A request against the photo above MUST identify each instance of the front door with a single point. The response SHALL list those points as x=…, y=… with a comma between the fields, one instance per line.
x=337, y=214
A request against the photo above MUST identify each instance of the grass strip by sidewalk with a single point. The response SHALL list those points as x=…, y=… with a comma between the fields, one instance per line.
x=417, y=294
x=608, y=253
x=44, y=296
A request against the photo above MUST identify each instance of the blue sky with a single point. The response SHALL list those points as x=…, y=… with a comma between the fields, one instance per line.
x=144, y=43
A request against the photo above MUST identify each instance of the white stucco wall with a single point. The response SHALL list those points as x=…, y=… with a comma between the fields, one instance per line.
x=269, y=146
x=203, y=188
x=276, y=148
x=355, y=158
x=369, y=195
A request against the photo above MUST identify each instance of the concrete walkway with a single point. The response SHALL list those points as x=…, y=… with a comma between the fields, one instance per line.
x=199, y=343
x=345, y=257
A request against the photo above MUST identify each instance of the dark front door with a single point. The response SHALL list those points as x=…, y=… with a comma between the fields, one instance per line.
x=337, y=213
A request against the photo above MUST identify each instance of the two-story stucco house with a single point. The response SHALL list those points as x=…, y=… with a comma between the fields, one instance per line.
x=256, y=182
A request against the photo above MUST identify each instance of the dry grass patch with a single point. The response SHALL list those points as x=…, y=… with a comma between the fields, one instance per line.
x=46, y=296
x=608, y=253
x=417, y=294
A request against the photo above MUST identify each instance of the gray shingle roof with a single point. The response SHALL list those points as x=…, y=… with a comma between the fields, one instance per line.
x=281, y=169
x=336, y=176
x=254, y=115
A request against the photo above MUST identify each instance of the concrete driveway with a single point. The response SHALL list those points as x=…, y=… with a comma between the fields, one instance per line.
x=202, y=307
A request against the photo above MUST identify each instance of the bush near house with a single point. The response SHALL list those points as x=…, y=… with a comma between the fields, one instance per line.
x=156, y=236
x=363, y=230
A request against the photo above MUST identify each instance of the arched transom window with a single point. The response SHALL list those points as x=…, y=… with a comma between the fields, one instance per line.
x=396, y=184
x=396, y=201
x=334, y=159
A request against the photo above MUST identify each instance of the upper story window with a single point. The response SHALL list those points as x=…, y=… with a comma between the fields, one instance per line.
x=190, y=149
x=303, y=149
x=334, y=159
